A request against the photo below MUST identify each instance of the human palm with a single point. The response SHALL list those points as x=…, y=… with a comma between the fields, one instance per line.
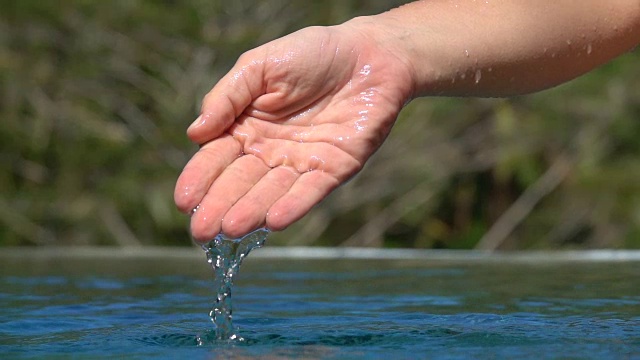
x=290, y=122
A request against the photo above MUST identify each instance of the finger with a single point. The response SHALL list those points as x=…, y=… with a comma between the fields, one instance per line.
x=249, y=213
x=229, y=98
x=203, y=168
x=235, y=181
x=308, y=190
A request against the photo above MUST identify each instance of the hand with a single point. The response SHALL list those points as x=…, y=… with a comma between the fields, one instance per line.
x=290, y=122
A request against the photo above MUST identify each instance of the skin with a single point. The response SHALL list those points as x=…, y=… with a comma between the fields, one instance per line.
x=297, y=117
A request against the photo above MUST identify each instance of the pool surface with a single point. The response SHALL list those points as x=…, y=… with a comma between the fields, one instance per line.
x=57, y=304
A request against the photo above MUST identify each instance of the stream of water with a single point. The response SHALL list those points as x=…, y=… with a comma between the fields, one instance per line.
x=225, y=256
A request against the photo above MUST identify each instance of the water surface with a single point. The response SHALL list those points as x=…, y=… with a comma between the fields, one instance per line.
x=157, y=307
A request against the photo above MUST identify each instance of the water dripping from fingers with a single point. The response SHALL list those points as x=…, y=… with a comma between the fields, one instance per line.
x=225, y=255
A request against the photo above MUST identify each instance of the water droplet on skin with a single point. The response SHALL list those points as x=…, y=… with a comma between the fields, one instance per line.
x=315, y=163
x=589, y=49
x=466, y=53
x=366, y=70
x=478, y=76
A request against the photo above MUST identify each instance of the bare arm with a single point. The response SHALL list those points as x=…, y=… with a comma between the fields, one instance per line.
x=503, y=48
x=297, y=117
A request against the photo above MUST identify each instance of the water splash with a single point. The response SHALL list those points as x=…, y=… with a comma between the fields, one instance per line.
x=225, y=256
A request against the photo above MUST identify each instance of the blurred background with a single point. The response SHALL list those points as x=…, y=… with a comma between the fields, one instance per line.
x=95, y=97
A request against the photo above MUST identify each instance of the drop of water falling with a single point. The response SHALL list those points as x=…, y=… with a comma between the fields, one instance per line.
x=478, y=76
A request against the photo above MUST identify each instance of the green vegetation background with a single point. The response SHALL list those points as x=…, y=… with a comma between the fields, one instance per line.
x=95, y=97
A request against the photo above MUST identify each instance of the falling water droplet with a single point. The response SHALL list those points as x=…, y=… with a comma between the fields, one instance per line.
x=478, y=76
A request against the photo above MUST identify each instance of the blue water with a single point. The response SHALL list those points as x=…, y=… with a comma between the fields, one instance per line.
x=320, y=309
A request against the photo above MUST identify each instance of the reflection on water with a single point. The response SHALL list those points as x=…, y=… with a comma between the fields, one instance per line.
x=323, y=309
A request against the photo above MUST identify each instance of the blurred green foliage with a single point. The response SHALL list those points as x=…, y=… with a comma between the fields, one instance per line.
x=96, y=96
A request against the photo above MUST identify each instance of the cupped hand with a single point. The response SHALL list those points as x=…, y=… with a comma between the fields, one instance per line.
x=290, y=122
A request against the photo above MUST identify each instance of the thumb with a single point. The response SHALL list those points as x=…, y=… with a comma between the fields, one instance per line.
x=228, y=99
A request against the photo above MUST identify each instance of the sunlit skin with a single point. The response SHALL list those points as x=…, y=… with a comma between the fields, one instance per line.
x=297, y=117
x=288, y=124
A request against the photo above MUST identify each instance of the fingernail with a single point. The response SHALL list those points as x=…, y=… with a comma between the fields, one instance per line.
x=196, y=123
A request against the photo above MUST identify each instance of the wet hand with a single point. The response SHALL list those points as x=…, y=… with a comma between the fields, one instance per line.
x=290, y=122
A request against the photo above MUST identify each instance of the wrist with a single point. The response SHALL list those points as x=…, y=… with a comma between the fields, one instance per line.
x=384, y=37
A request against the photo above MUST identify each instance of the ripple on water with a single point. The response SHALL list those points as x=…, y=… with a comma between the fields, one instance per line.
x=381, y=310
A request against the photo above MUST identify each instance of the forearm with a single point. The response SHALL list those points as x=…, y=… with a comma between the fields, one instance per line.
x=502, y=48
